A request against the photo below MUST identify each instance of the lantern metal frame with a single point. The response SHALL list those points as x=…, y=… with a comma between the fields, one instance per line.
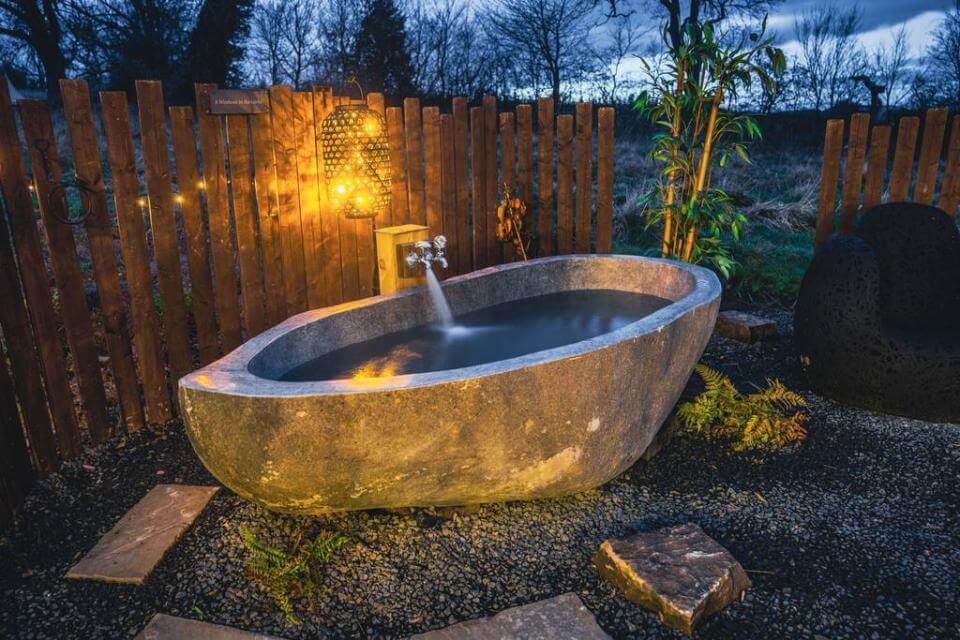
x=356, y=160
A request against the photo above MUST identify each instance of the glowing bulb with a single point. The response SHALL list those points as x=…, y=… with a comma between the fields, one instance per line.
x=178, y=199
x=341, y=189
x=141, y=202
x=200, y=185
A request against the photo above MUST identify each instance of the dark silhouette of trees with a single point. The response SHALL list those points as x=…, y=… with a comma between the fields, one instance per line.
x=383, y=60
x=216, y=42
x=38, y=24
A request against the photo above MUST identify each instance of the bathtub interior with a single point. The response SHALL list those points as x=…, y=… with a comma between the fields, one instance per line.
x=484, y=289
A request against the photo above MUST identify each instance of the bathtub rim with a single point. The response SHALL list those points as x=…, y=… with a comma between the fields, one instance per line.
x=230, y=374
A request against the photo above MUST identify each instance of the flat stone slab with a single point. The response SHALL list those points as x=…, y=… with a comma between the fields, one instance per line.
x=679, y=572
x=560, y=618
x=745, y=327
x=164, y=627
x=129, y=552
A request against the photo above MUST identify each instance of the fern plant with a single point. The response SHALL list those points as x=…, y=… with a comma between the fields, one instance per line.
x=770, y=418
x=285, y=574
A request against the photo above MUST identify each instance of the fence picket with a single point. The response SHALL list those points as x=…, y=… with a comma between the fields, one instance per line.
x=478, y=167
x=876, y=166
x=339, y=248
x=133, y=245
x=321, y=260
x=564, y=184
x=853, y=172
x=14, y=454
x=433, y=189
x=86, y=162
x=244, y=215
x=508, y=171
x=525, y=159
x=829, y=175
x=48, y=176
x=414, y=146
x=950, y=187
x=491, y=197
x=545, y=124
x=934, y=127
x=448, y=180
x=903, y=155
x=584, y=177
x=400, y=213
x=268, y=217
x=163, y=225
x=227, y=298
x=605, y=159
x=461, y=169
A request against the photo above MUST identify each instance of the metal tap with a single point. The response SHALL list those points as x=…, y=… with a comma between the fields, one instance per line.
x=427, y=253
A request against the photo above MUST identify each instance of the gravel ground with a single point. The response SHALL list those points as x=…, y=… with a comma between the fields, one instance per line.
x=854, y=534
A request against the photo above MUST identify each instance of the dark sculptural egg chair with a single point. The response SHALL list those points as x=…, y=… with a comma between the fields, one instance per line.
x=877, y=322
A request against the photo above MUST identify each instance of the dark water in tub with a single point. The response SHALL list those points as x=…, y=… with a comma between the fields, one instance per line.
x=489, y=334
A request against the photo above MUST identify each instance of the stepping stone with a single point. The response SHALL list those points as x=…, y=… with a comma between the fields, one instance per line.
x=164, y=627
x=745, y=327
x=679, y=572
x=129, y=552
x=560, y=618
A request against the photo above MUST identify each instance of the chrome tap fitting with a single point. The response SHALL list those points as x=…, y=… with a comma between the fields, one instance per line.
x=428, y=253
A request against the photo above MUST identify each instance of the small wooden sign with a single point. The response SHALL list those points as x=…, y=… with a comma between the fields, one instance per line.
x=238, y=101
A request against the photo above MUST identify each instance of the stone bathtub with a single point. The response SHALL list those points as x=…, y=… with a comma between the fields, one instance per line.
x=543, y=424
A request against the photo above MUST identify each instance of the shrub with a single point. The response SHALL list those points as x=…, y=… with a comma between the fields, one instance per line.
x=768, y=419
x=285, y=574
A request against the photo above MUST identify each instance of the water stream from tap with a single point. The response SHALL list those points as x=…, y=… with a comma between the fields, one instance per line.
x=444, y=314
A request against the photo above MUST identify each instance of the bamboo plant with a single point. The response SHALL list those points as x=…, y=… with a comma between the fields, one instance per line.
x=696, y=137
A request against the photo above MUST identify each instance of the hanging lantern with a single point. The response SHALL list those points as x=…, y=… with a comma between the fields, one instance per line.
x=356, y=161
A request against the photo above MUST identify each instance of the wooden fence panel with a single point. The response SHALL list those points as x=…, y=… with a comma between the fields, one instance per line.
x=288, y=199
x=244, y=214
x=133, y=244
x=492, y=188
x=876, y=166
x=163, y=225
x=508, y=171
x=400, y=213
x=321, y=261
x=433, y=188
x=584, y=160
x=461, y=161
x=414, y=147
x=340, y=237
x=366, y=242
x=950, y=187
x=903, y=156
x=89, y=173
x=189, y=186
x=829, y=175
x=16, y=476
x=478, y=167
x=268, y=217
x=934, y=127
x=605, y=159
x=853, y=173
x=545, y=124
x=227, y=299
x=48, y=178
x=24, y=363
x=525, y=156
x=564, y=184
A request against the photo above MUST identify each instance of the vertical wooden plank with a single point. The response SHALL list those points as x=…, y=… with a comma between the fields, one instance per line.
x=244, y=214
x=163, y=225
x=462, y=187
x=319, y=262
x=218, y=217
x=564, y=184
x=190, y=186
x=288, y=202
x=950, y=188
x=508, y=171
x=89, y=172
x=366, y=244
x=24, y=363
x=478, y=170
x=829, y=174
x=525, y=159
x=432, y=171
x=903, y=156
x=268, y=217
x=545, y=126
x=853, y=173
x=399, y=210
x=584, y=160
x=413, y=140
x=336, y=250
x=492, y=195
x=133, y=245
x=876, y=166
x=48, y=178
x=14, y=454
x=448, y=179
x=934, y=127
x=605, y=158
x=33, y=275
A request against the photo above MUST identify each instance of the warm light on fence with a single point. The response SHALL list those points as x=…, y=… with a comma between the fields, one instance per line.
x=356, y=161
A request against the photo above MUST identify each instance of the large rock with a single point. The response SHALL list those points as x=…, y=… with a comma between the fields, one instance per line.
x=164, y=627
x=560, y=618
x=679, y=572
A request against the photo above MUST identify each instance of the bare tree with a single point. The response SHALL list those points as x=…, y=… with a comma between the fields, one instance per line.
x=338, y=24
x=700, y=10
x=888, y=66
x=267, y=40
x=944, y=54
x=38, y=24
x=829, y=55
x=626, y=37
x=299, y=41
x=548, y=38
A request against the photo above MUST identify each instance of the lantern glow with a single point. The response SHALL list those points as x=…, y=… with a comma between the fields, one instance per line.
x=356, y=161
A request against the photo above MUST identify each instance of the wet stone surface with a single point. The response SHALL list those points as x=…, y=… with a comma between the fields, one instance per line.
x=679, y=572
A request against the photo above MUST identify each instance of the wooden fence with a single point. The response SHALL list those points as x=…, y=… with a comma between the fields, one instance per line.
x=870, y=147
x=193, y=250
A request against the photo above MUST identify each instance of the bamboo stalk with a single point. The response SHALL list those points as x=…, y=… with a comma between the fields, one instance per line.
x=668, y=231
x=703, y=168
